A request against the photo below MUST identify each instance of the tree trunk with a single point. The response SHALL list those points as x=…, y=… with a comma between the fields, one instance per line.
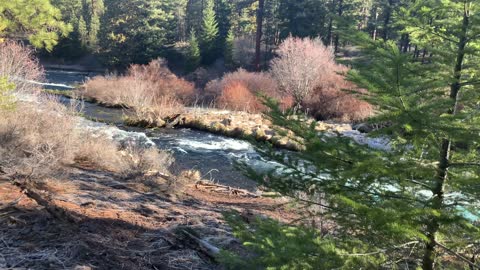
x=337, y=36
x=386, y=21
x=374, y=34
x=258, y=38
x=330, y=23
x=428, y=262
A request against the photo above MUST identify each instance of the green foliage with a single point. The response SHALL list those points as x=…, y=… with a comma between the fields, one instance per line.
x=6, y=99
x=209, y=40
x=193, y=55
x=82, y=32
x=136, y=31
x=85, y=17
x=273, y=245
x=36, y=20
x=305, y=18
x=420, y=190
x=228, y=51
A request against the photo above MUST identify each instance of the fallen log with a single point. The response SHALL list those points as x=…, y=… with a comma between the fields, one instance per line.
x=212, y=187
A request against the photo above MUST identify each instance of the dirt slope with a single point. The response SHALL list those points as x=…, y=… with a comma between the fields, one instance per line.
x=96, y=220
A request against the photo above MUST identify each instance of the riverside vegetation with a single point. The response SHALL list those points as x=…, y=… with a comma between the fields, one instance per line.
x=406, y=70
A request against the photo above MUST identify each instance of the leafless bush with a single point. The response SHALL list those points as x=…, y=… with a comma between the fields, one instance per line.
x=139, y=161
x=300, y=66
x=243, y=51
x=334, y=104
x=35, y=142
x=40, y=139
x=18, y=65
x=306, y=70
x=100, y=153
x=145, y=89
x=236, y=96
x=238, y=90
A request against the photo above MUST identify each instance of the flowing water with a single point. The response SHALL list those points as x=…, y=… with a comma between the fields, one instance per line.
x=213, y=155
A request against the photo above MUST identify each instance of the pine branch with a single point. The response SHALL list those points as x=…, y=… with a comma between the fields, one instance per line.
x=464, y=164
x=381, y=250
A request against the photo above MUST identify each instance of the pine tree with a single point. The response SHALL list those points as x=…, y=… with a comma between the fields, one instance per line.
x=193, y=56
x=36, y=20
x=228, y=51
x=83, y=32
x=96, y=11
x=209, y=40
x=137, y=31
x=414, y=201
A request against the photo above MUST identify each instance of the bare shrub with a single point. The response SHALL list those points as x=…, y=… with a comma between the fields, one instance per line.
x=300, y=64
x=243, y=51
x=306, y=70
x=36, y=141
x=39, y=139
x=164, y=82
x=146, y=89
x=334, y=104
x=238, y=90
x=236, y=96
x=100, y=153
x=139, y=161
x=18, y=65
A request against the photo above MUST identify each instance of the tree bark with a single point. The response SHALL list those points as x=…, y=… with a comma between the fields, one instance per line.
x=428, y=262
x=337, y=36
x=258, y=38
x=386, y=21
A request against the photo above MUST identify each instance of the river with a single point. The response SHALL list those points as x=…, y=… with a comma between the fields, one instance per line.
x=213, y=155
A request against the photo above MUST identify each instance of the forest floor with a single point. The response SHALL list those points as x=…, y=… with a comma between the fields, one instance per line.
x=90, y=219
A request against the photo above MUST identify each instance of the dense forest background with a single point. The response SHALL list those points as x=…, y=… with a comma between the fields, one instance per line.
x=244, y=33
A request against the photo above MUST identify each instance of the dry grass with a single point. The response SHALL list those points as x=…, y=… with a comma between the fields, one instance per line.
x=150, y=90
x=39, y=139
x=138, y=161
x=35, y=141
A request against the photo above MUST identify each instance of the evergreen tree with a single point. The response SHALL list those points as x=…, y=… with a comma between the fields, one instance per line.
x=36, y=20
x=193, y=56
x=228, y=51
x=137, y=31
x=96, y=10
x=209, y=41
x=414, y=201
x=82, y=32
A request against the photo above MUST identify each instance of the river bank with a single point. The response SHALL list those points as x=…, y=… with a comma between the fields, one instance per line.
x=233, y=124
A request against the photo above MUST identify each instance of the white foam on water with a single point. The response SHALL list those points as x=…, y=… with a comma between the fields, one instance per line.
x=222, y=144
x=51, y=84
x=374, y=143
x=111, y=132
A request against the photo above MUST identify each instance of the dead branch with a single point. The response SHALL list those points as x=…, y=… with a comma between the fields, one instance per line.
x=204, y=185
x=204, y=246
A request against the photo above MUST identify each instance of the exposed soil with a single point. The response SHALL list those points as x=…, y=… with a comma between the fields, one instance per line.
x=92, y=219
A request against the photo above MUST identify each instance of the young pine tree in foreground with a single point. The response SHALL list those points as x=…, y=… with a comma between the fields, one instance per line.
x=413, y=204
